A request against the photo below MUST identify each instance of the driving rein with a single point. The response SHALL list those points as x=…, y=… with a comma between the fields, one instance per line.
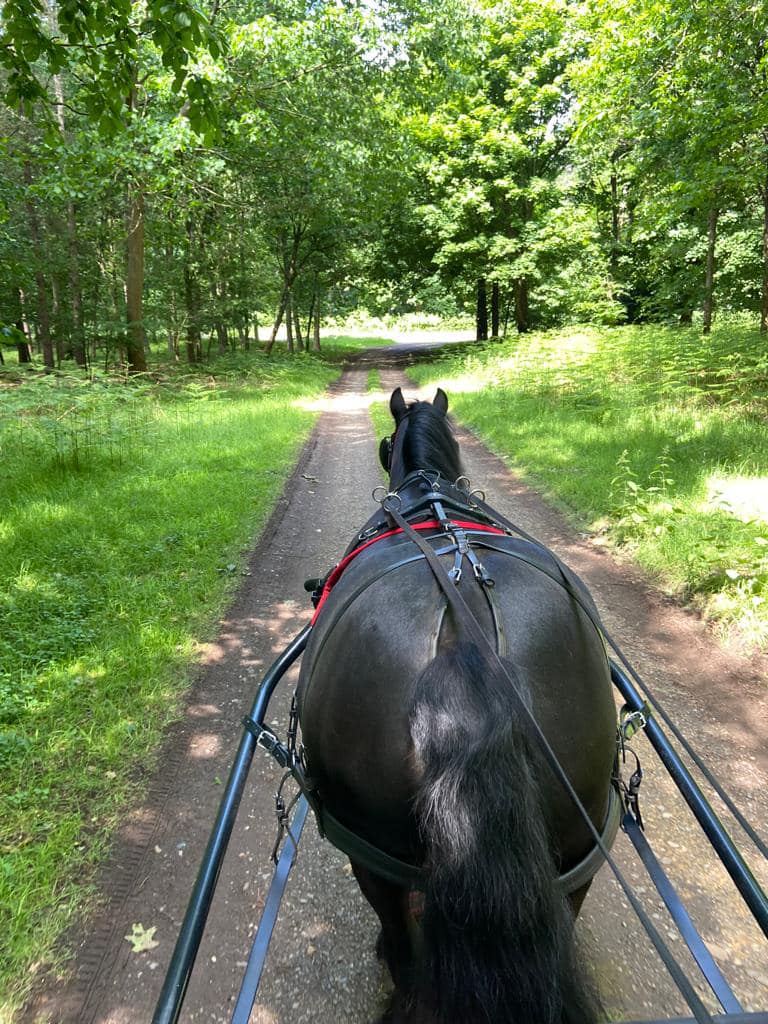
x=425, y=509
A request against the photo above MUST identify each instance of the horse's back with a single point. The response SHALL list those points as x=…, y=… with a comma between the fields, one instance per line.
x=384, y=623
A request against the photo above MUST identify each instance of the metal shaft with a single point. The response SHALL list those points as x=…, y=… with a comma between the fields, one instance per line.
x=176, y=980
x=721, y=842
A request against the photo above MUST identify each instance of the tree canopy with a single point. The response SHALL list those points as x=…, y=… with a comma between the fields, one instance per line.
x=185, y=172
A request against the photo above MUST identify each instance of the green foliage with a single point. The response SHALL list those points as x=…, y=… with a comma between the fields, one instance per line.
x=111, y=574
x=104, y=37
x=654, y=437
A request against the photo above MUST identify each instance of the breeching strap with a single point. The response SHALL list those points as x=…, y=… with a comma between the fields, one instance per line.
x=464, y=614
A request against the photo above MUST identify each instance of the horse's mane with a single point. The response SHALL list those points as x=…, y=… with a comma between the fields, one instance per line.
x=429, y=442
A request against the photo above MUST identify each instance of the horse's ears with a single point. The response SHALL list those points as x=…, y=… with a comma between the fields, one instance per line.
x=397, y=405
x=440, y=401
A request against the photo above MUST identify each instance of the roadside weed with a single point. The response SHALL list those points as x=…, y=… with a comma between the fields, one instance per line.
x=653, y=437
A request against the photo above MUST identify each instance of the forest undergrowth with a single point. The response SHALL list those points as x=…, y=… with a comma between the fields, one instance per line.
x=654, y=439
x=128, y=506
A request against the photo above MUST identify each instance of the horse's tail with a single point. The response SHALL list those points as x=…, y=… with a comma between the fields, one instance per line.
x=497, y=934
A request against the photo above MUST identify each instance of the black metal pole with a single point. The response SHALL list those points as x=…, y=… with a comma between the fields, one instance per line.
x=188, y=942
x=721, y=842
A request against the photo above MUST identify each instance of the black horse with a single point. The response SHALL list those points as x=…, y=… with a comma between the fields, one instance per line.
x=420, y=757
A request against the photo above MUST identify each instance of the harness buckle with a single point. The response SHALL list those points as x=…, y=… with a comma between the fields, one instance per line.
x=631, y=722
x=370, y=532
x=462, y=541
x=481, y=575
x=268, y=741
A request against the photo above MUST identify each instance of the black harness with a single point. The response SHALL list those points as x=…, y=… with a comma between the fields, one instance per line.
x=424, y=496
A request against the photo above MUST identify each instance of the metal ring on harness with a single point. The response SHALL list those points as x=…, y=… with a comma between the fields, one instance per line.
x=388, y=499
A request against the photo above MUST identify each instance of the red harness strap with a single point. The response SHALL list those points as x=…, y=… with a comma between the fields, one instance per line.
x=431, y=524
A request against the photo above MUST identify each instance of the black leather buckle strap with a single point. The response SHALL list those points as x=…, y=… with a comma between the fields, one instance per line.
x=269, y=742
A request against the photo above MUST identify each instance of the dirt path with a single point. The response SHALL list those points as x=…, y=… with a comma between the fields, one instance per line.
x=321, y=966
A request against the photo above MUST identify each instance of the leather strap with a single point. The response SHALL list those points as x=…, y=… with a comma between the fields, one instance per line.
x=411, y=876
x=568, y=578
x=465, y=615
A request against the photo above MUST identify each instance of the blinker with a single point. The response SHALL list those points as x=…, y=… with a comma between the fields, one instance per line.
x=385, y=452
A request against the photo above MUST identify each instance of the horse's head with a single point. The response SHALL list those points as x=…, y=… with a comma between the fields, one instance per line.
x=422, y=439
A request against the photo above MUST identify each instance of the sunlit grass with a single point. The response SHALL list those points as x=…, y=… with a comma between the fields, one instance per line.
x=120, y=545
x=654, y=437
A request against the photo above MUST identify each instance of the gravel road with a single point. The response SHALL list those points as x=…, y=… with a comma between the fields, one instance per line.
x=321, y=966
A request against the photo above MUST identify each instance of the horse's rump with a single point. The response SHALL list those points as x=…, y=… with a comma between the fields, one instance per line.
x=384, y=623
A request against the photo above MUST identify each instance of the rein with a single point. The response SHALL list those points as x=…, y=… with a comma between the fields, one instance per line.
x=466, y=616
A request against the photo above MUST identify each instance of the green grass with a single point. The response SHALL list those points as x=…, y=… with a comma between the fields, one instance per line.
x=341, y=345
x=654, y=437
x=381, y=417
x=127, y=510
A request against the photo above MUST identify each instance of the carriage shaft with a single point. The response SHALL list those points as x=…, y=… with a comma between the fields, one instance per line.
x=187, y=945
x=713, y=828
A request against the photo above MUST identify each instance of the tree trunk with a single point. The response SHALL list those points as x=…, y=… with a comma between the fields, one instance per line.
x=192, y=299
x=495, y=311
x=173, y=321
x=76, y=294
x=297, y=326
x=521, y=305
x=57, y=319
x=278, y=321
x=77, y=338
x=316, y=334
x=764, y=303
x=22, y=347
x=222, y=334
x=614, y=225
x=709, y=277
x=507, y=307
x=256, y=329
x=43, y=316
x=289, y=322
x=134, y=281
x=481, y=316
x=311, y=317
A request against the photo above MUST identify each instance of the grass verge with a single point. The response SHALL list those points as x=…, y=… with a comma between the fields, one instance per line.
x=381, y=417
x=654, y=437
x=128, y=508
